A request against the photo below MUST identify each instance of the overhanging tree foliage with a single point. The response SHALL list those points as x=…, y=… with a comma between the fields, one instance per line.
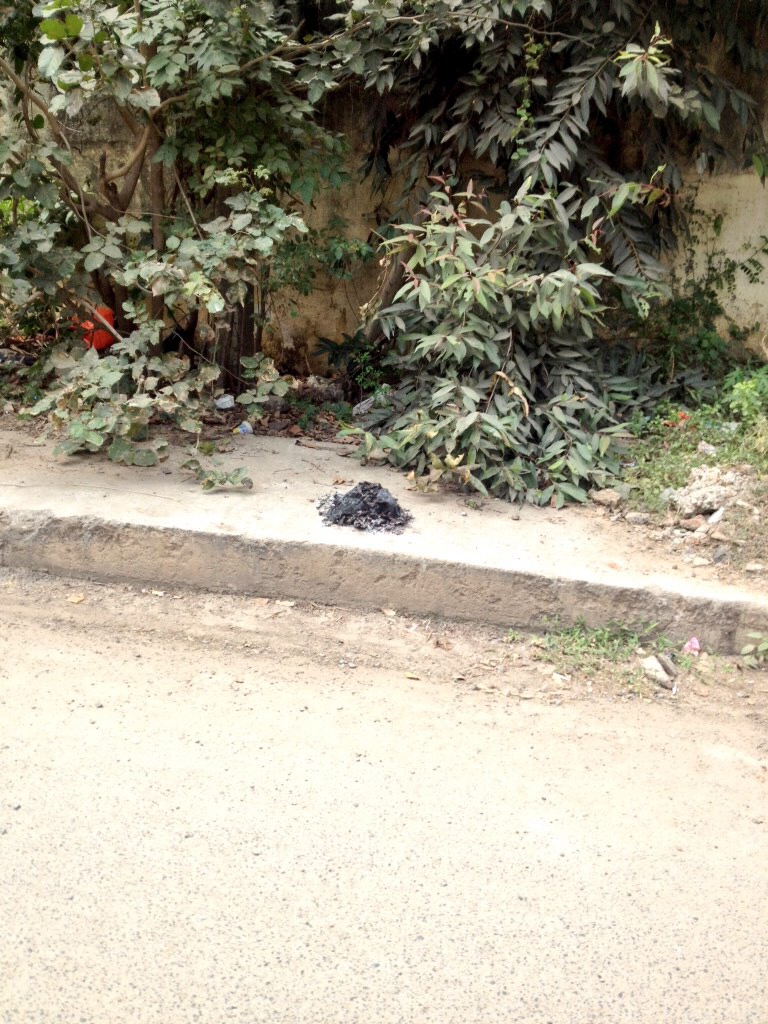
x=198, y=208
x=579, y=116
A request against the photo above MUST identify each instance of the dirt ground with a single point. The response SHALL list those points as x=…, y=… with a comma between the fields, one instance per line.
x=224, y=809
x=469, y=659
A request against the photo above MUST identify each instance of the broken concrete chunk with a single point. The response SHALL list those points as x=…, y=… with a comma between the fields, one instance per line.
x=668, y=665
x=711, y=488
x=654, y=670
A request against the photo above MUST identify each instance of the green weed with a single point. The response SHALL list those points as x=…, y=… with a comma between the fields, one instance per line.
x=668, y=448
x=755, y=654
x=586, y=649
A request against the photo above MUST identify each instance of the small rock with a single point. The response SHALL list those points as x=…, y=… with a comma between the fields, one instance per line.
x=722, y=554
x=754, y=567
x=715, y=518
x=722, y=534
x=668, y=665
x=699, y=562
x=638, y=518
x=706, y=449
x=694, y=523
x=608, y=498
x=653, y=668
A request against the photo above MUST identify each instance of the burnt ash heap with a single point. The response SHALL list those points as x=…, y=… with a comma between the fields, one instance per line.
x=366, y=507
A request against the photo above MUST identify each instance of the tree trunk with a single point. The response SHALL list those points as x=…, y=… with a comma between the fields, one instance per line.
x=235, y=338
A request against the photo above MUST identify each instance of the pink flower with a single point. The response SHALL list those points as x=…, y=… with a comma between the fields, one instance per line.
x=692, y=647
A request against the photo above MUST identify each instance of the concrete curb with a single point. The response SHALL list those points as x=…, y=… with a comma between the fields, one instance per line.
x=343, y=575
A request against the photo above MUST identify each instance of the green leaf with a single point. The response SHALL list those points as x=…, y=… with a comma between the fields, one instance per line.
x=589, y=207
x=241, y=221
x=74, y=25
x=711, y=115
x=121, y=450
x=572, y=491
x=145, y=457
x=145, y=99
x=94, y=260
x=52, y=28
x=215, y=304
x=69, y=447
x=50, y=60
x=620, y=197
x=466, y=422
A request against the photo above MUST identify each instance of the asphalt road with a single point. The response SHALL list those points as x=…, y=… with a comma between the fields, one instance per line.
x=216, y=811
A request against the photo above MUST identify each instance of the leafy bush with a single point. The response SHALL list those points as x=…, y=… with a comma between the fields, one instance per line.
x=359, y=359
x=755, y=654
x=690, y=333
x=503, y=386
x=106, y=402
x=745, y=394
x=213, y=476
x=264, y=381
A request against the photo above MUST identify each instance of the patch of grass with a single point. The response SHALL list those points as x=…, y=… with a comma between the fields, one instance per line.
x=667, y=449
x=587, y=649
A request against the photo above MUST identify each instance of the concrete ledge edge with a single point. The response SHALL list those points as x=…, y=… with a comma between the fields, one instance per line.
x=113, y=551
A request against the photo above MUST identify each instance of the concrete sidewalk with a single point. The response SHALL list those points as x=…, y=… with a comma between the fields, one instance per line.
x=523, y=568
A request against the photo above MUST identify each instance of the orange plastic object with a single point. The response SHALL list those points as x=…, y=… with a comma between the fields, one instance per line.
x=97, y=337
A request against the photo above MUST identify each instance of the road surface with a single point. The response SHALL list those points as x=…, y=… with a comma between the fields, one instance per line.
x=230, y=810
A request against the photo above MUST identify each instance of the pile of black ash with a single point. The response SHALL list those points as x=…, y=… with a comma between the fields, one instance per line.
x=366, y=507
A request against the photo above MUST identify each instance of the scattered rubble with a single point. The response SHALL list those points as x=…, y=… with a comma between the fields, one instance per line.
x=711, y=488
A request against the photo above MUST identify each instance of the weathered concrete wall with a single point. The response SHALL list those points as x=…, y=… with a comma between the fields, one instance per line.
x=333, y=308
x=741, y=202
